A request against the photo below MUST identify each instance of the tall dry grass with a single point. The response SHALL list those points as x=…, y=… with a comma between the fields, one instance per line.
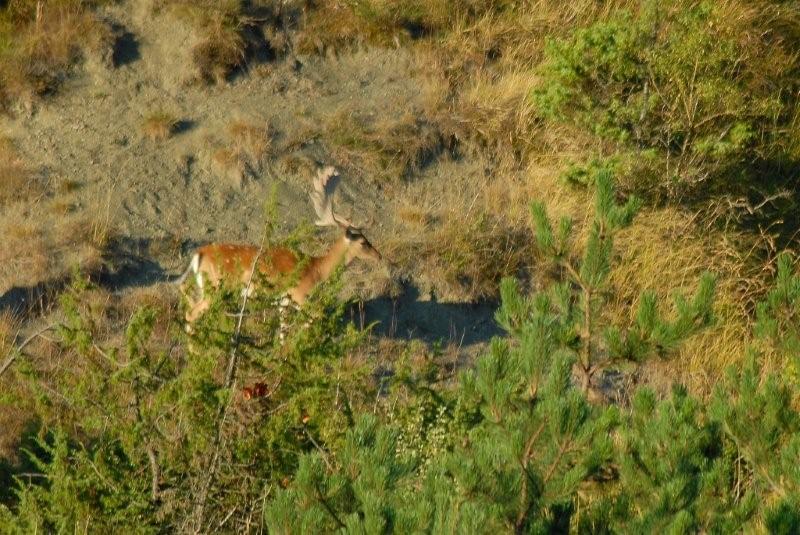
x=41, y=41
x=159, y=125
x=222, y=29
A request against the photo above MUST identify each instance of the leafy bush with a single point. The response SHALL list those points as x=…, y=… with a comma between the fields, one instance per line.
x=138, y=434
x=702, y=86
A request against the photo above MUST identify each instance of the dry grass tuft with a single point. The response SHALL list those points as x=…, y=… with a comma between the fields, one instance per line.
x=243, y=154
x=42, y=47
x=499, y=111
x=160, y=298
x=219, y=53
x=472, y=252
x=159, y=126
x=221, y=25
x=10, y=326
x=251, y=141
x=665, y=250
x=25, y=259
x=40, y=249
x=229, y=165
x=13, y=422
x=455, y=242
x=387, y=148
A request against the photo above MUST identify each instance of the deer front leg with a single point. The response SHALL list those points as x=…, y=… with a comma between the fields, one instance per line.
x=284, y=305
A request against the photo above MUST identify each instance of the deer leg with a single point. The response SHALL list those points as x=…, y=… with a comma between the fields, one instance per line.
x=196, y=311
x=283, y=310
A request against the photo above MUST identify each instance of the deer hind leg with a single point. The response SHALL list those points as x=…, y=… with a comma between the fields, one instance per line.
x=195, y=312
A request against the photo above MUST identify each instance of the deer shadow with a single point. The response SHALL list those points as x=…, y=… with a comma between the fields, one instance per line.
x=129, y=265
x=408, y=317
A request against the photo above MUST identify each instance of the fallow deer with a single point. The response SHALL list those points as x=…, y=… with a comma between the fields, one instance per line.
x=235, y=264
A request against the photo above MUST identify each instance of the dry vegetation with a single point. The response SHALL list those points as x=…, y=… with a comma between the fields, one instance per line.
x=159, y=125
x=243, y=152
x=225, y=36
x=250, y=140
x=44, y=241
x=17, y=181
x=484, y=65
x=41, y=41
x=455, y=171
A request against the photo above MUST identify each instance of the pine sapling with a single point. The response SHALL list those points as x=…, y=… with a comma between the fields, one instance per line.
x=576, y=301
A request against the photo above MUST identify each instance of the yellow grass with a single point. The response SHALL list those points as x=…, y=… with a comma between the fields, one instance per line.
x=41, y=248
x=666, y=250
x=17, y=181
x=221, y=47
x=159, y=125
x=229, y=165
x=43, y=49
x=251, y=141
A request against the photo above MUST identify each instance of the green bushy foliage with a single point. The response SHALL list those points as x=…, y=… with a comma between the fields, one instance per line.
x=540, y=459
x=141, y=435
x=777, y=326
x=361, y=498
x=537, y=457
x=675, y=469
x=688, y=84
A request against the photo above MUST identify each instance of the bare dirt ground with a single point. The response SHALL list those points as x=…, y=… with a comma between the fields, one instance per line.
x=163, y=197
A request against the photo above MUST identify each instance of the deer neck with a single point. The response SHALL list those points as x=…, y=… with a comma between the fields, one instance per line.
x=320, y=269
x=327, y=264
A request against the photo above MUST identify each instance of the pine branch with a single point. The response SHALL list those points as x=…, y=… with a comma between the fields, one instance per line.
x=327, y=506
x=562, y=449
x=526, y=457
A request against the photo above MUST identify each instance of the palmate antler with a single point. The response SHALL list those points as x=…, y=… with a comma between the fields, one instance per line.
x=325, y=184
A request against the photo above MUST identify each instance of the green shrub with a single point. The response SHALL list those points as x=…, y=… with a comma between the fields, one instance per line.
x=140, y=434
x=538, y=458
x=707, y=86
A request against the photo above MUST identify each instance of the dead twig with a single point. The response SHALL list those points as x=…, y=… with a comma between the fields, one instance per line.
x=230, y=375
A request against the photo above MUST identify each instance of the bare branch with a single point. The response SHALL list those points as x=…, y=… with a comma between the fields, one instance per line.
x=230, y=376
x=18, y=351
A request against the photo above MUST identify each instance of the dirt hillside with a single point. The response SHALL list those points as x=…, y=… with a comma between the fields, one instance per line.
x=162, y=197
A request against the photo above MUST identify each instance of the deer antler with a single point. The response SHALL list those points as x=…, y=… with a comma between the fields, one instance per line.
x=325, y=184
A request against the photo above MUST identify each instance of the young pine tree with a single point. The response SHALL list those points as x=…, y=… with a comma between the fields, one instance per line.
x=576, y=301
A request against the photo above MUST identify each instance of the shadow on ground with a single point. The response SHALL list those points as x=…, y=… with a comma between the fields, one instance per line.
x=130, y=265
x=127, y=266
x=24, y=300
x=126, y=49
x=408, y=317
